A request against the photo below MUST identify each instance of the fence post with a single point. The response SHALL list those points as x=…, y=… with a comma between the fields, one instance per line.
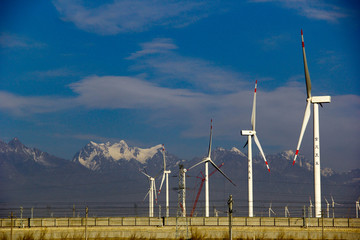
x=230, y=203
x=86, y=217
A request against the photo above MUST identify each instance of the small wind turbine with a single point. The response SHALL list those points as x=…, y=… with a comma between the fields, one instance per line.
x=250, y=134
x=357, y=208
x=327, y=207
x=165, y=176
x=151, y=193
x=208, y=160
x=271, y=211
x=316, y=101
x=333, y=205
x=287, y=213
x=310, y=208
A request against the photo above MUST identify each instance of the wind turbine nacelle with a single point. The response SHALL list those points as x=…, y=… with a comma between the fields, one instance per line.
x=321, y=99
x=248, y=132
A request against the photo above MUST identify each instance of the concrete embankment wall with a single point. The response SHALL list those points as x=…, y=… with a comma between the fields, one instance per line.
x=172, y=228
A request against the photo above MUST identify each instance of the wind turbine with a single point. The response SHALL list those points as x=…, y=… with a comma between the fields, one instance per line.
x=271, y=211
x=250, y=134
x=310, y=207
x=327, y=207
x=316, y=101
x=287, y=213
x=357, y=208
x=333, y=205
x=165, y=176
x=208, y=160
x=151, y=193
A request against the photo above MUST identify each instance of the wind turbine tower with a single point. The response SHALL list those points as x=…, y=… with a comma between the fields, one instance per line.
x=315, y=101
x=208, y=160
x=252, y=134
x=151, y=193
x=165, y=176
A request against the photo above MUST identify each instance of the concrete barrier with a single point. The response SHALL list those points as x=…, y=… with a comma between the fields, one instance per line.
x=211, y=221
x=196, y=221
x=173, y=221
x=354, y=222
x=282, y=222
x=341, y=222
x=253, y=221
x=116, y=221
x=129, y=221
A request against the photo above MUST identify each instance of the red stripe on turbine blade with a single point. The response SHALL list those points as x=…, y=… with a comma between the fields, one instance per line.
x=297, y=151
x=269, y=169
x=293, y=162
x=301, y=32
x=303, y=45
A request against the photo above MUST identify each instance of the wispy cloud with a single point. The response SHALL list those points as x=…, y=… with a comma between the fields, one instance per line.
x=14, y=41
x=60, y=72
x=274, y=42
x=170, y=68
x=158, y=45
x=25, y=105
x=319, y=10
x=130, y=15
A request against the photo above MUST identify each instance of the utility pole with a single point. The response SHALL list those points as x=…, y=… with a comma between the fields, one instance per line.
x=230, y=203
x=86, y=217
x=357, y=209
x=21, y=216
x=11, y=225
x=182, y=192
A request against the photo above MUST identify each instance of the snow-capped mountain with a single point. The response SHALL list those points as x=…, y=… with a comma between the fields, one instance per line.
x=110, y=172
x=98, y=156
x=17, y=151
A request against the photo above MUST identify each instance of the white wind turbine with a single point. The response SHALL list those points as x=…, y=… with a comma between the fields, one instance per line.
x=165, y=176
x=271, y=211
x=250, y=134
x=206, y=160
x=151, y=193
x=327, y=207
x=310, y=207
x=315, y=100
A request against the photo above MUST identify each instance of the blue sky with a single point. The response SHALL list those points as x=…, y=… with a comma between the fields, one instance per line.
x=153, y=72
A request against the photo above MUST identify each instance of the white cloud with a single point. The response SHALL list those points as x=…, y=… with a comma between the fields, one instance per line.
x=14, y=41
x=112, y=92
x=24, y=105
x=170, y=68
x=158, y=45
x=318, y=10
x=130, y=15
x=60, y=72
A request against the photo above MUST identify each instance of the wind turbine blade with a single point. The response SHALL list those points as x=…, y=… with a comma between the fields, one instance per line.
x=210, y=141
x=162, y=181
x=155, y=191
x=245, y=144
x=303, y=128
x=253, y=114
x=221, y=172
x=261, y=151
x=204, y=160
x=146, y=195
x=145, y=174
x=307, y=75
x=163, y=152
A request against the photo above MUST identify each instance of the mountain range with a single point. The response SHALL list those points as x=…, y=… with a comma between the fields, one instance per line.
x=110, y=172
